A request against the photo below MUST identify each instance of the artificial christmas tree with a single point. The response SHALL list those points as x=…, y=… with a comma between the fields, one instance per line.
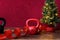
x=50, y=15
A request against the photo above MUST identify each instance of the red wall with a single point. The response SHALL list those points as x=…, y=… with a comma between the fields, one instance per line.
x=16, y=12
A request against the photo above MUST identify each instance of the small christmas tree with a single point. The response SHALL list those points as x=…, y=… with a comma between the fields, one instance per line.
x=50, y=15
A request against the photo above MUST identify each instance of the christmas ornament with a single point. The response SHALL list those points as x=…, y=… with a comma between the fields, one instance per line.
x=51, y=18
x=2, y=25
x=8, y=33
x=46, y=4
x=50, y=22
x=44, y=7
x=32, y=29
x=17, y=32
x=47, y=17
x=56, y=14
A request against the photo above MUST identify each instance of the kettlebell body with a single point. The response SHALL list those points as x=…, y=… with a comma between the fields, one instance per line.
x=32, y=29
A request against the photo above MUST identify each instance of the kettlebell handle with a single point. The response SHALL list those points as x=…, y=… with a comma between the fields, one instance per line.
x=32, y=19
x=3, y=22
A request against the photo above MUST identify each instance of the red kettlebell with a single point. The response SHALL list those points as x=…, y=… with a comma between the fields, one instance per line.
x=8, y=33
x=17, y=32
x=32, y=29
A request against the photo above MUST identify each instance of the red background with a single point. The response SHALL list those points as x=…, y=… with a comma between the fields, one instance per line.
x=16, y=12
